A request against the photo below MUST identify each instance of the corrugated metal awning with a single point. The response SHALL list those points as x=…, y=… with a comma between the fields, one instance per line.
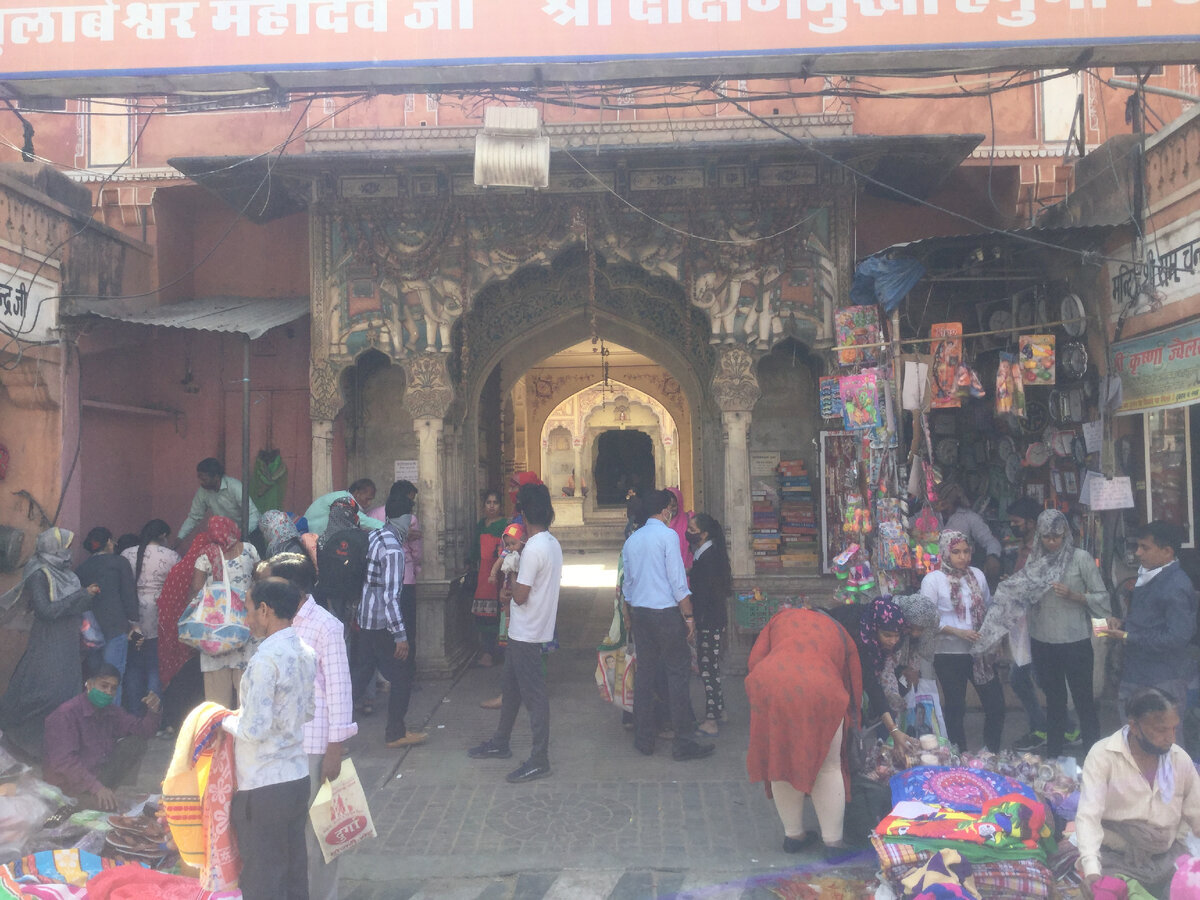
x=1067, y=237
x=251, y=316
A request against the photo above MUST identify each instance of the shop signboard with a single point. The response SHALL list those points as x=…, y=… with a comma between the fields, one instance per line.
x=466, y=40
x=28, y=305
x=1160, y=370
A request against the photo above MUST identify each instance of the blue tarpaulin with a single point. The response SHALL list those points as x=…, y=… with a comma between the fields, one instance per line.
x=884, y=281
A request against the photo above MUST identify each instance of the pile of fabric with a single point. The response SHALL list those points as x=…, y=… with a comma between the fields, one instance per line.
x=76, y=874
x=957, y=832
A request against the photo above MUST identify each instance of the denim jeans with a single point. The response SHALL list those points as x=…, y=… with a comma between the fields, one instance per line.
x=141, y=676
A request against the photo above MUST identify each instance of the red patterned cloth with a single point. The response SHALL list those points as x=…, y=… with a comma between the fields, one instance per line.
x=222, y=864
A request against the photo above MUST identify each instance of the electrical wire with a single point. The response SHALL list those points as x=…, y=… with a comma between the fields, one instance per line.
x=278, y=149
x=687, y=234
x=812, y=145
x=14, y=335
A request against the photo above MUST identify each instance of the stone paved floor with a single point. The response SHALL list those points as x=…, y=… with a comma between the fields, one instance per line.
x=608, y=823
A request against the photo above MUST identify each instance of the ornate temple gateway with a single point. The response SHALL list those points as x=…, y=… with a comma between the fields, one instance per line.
x=436, y=306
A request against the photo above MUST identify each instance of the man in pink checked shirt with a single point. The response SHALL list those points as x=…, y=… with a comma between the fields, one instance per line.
x=333, y=721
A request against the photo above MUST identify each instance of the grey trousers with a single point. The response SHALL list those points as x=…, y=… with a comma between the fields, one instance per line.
x=523, y=681
x=270, y=823
x=322, y=876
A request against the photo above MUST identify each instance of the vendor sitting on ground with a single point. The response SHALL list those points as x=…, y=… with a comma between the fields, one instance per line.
x=1140, y=791
x=93, y=745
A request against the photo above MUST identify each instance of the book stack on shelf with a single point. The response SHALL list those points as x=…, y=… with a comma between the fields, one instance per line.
x=799, y=535
x=764, y=527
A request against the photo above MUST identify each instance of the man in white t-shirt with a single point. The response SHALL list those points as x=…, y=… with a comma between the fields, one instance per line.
x=532, y=615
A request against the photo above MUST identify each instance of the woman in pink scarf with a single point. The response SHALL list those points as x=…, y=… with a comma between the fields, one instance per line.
x=679, y=523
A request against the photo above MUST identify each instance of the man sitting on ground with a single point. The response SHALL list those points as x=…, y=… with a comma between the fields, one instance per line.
x=93, y=745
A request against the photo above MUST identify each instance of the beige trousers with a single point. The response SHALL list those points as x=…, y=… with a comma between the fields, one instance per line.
x=828, y=797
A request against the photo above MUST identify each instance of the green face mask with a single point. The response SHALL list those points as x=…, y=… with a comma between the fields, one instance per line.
x=99, y=698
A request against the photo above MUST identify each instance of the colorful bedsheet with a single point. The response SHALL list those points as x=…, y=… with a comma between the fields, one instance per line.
x=955, y=787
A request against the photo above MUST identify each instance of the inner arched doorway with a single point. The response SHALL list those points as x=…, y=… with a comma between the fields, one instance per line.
x=610, y=437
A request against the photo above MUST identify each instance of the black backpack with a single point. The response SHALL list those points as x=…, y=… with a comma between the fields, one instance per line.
x=342, y=564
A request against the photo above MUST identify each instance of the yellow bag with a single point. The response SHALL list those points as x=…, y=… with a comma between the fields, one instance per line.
x=181, y=796
x=340, y=815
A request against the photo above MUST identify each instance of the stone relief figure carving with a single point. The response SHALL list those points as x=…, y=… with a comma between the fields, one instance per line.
x=757, y=324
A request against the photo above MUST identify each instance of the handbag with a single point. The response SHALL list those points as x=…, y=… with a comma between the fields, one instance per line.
x=614, y=676
x=855, y=737
x=89, y=632
x=215, y=621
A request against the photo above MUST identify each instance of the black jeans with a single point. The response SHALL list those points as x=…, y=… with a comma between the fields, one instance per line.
x=523, y=681
x=1058, y=667
x=660, y=637
x=954, y=670
x=376, y=649
x=269, y=823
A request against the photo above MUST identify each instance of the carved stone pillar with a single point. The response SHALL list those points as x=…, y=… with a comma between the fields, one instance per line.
x=446, y=641
x=427, y=396
x=735, y=389
x=325, y=401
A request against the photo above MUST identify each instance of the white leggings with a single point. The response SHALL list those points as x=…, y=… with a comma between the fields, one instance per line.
x=828, y=796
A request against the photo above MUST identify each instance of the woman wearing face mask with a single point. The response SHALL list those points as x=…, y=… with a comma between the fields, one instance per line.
x=711, y=582
x=1139, y=789
x=962, y=597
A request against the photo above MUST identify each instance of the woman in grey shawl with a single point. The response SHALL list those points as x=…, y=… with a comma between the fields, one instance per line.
x=50, y=672
x=913, y=656
x=1058, y=589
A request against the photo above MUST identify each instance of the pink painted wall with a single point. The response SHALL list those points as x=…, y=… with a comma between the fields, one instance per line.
x=136, y=467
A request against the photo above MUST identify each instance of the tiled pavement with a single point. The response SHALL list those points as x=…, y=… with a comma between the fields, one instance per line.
x=608, y=823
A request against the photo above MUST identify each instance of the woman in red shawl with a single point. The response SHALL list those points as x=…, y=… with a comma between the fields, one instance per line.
x=803, y=671
x=220, y=534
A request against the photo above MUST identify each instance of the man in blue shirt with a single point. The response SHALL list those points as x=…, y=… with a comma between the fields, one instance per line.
x=660, y=605
x=1161, y=621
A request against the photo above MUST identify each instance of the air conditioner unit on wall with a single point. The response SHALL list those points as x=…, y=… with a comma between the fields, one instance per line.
x=511, y=151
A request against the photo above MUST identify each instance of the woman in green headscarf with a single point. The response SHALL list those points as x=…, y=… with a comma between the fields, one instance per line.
x=50, y=672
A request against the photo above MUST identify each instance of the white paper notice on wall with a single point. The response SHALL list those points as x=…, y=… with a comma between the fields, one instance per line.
x=406, y=470
x=763, y=463
x=1102, y=493
x=1093, y=435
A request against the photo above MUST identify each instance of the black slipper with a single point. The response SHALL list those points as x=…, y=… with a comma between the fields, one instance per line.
x=799, y=845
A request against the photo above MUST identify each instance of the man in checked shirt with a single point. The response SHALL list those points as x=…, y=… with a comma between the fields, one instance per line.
x=333, y=719
x=384, y=638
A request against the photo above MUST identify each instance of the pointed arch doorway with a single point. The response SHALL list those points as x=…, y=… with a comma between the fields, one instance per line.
x=526, y=346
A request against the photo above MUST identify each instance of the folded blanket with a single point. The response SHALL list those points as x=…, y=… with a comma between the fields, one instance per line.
x=1021, y=879
x=1011, y=822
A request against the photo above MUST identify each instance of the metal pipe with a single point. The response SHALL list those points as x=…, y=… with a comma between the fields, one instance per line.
x=1152, y=89
x=245, y=435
